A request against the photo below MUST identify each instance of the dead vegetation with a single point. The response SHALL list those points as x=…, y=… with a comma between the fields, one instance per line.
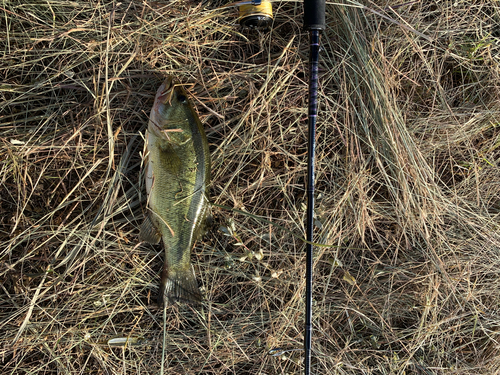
x=408, y=267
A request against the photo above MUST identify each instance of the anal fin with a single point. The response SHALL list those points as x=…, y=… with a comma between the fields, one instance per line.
x=148, y=232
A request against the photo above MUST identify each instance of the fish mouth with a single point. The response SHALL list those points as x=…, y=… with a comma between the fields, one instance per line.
x=166, y=90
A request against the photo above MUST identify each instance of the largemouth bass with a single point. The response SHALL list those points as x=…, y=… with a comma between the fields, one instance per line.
x=177, y=163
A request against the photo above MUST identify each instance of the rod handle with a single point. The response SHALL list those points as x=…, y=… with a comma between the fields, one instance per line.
x=314, y=14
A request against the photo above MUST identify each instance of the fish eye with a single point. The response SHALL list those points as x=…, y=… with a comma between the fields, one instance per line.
x=181, y=98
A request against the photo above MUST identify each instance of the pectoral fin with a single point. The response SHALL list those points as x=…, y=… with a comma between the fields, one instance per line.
x=149, y=233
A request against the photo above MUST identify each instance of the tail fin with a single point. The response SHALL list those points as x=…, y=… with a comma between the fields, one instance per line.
x=179, y=285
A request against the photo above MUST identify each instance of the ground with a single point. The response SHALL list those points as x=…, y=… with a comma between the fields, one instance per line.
x=407, y=261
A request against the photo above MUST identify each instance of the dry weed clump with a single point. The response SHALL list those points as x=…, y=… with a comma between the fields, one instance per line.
x=407, y=266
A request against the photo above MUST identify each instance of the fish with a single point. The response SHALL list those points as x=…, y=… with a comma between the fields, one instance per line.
x=177, y=178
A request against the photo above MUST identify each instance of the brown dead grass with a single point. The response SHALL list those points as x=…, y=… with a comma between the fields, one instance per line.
x=407, y=274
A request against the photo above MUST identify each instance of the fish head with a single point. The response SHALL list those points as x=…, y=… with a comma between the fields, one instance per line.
x=169, y=118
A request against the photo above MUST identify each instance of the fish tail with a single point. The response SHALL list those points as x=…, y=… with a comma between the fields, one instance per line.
x=179, y=285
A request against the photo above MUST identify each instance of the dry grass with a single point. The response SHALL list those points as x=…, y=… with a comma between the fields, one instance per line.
x=407, y=176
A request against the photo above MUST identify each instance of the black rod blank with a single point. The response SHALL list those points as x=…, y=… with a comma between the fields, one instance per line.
x=314, y=21
x=311, y=147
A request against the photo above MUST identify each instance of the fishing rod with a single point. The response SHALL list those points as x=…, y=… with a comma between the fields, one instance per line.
x=314, y=22
x=258, y=14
